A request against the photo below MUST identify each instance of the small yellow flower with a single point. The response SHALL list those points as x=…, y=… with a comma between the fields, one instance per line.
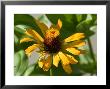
x=52, y=49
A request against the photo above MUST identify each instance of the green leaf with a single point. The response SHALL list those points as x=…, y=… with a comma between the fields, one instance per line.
x=19, y=32
x=88, y=68
x=93, y=28
x=29, y=70
x=25, y=19
x=21, y=62
x=84, y=27
x=17, y=62
x=43, y=18
x=94, y=18
x=16, y=39
x=86, y=57
x=81, y=17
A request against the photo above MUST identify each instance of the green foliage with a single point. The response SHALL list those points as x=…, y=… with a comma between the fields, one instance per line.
x=81, y=17
x=20, y=63
x=29, y=70
x=74, y=23
x=18, y=35
x=71, y=23
x=28, y=20
x=84, y=27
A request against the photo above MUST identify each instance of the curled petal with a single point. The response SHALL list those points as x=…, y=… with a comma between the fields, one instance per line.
x=35, y=35
x=59, y=24
x=26, y=40
x=73, y=51
x=74, y=37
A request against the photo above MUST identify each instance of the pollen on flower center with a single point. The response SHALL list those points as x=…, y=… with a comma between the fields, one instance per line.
x=52, y=43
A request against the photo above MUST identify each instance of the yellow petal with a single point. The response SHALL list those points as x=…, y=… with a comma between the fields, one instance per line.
x=35, y=35
x=30, y=49
x=67, y=69
x=26, y=40
x=74, y=37
x=42, y=26
x=56, y=60
x=59, y=24
x=78, y=43
x=72, y=59
x=47, y=63
x=63, y=58
x=73, y=51
x=41, y=63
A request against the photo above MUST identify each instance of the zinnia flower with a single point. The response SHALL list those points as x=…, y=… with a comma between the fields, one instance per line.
x=51, y=49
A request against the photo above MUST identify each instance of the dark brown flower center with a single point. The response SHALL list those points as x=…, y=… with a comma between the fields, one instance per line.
x=52, y=45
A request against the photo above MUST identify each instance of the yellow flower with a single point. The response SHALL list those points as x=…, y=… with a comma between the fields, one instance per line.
x=51, y=49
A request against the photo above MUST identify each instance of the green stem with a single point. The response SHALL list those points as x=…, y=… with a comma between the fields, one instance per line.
x=90, y=48
x=50, y=72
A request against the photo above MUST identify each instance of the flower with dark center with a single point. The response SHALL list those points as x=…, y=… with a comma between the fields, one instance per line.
x=52, y=49
x=52, y=45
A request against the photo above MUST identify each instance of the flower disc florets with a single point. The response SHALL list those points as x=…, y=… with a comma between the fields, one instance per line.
x=52, y=42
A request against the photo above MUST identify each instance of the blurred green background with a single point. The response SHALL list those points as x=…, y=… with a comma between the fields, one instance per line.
x=72, y=23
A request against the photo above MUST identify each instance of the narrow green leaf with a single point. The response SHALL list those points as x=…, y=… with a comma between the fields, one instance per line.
x=16, y=39
x=29, y=70
x=17, y=62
